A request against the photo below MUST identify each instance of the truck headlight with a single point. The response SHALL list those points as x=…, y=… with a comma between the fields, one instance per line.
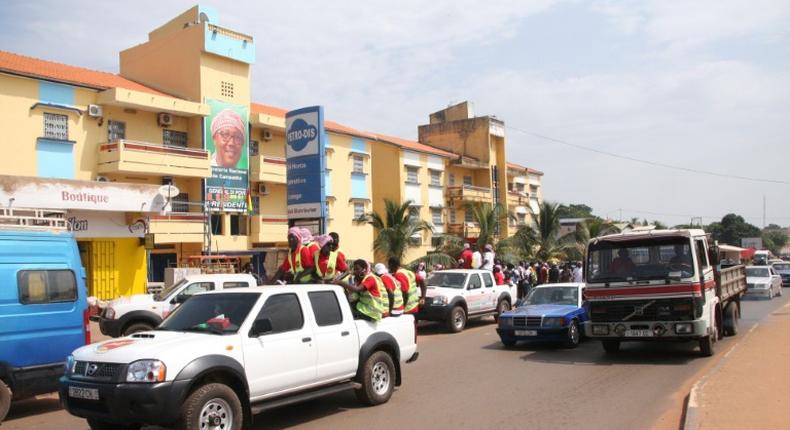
x=600, y=329
x=109, y=314
x=146, y=371
x=552, y=322
x=439, y=301
x=69, y=366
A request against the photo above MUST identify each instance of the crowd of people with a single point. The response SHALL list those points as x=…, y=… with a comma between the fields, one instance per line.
x=525, y=275
x=376, y=290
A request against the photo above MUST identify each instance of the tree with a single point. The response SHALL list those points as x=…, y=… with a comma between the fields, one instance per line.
x=489, y=220
x=547, y=227
x=574, y=211
x=590, y=228
x=659, y=225
x=732, y=229
x=396, y=228
x=774, y=239
x=446, y=252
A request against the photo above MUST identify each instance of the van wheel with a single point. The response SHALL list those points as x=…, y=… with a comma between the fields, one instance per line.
x=502, y=307
x=95, y=424
x=136, y=327
x=211, y=406
x=456, y=321
x=5, y=400
x=377, y=379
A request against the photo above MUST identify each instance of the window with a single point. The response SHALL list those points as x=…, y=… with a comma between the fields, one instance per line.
x=359, y=210
x=235, y=284
x=468, y=217
x=412, y=174
x=46, y=286
x=216, y=224
x=253, y=148
x=451, y=180
x=116, y=130
x=325, y=308
x=56, y=126
x=436, y=178
x=180, y=203
x=358, y=164
x=238, y=225
x=197, y=287
x=488, y=280
x=702, y=254
x=474, y=281
x=284, y=312
x=522, y=218
x=467, y=180
x=452, y=217
x=174, y=138
x=436, y=216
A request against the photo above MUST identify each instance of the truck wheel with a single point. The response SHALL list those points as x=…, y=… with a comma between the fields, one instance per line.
x=611, y=346
x=5, y=400
x=95, y=424
x=457, y=319
x=731, y=319
x=509, y=343
x=502, y=306
x=377, y=379
x=136, y=327
x=572, y=340
x=211, y=406
x=706, y=345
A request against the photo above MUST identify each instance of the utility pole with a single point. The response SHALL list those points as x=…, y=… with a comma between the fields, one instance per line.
x=764, y=211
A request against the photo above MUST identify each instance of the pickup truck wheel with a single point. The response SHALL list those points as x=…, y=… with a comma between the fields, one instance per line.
x=137, y=327
x=378, y=378
x=611, y=346
x=501, y=307
x=5, y=400
x=572, y=341
x=95, y=424
x=457, y=319
x=211, y=406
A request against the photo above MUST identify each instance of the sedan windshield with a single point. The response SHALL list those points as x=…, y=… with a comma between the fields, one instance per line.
x=211, y=313
x=654, y=259
x=446, y=280
x=757, y=272
x=554, y=296
x=784, y=266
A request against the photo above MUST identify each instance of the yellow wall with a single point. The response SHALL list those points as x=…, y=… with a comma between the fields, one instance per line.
x=215, y=69
x=21, y=125
x=122, y=273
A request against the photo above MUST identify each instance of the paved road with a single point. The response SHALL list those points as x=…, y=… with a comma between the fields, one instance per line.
x=469, y=380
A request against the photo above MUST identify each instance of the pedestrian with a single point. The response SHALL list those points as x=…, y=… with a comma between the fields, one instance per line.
x=499, y=277
x=488, y=258
x=577, y=272
x=554, y=274
x=512, y=275
x=543, y=273
x=295, y=268
x=566, y=275
x=421, y=270
x=371, y=291
x=466, y=257
x=393, y=288
x=477, y=257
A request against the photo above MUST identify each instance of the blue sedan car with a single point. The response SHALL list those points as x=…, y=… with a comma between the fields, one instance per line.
x=551, y=312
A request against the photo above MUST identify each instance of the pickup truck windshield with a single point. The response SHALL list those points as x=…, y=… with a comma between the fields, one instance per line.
x=167, y=291
x=211, y=313
x=758, y=272
x=446, y=280
x=653, y=259
x=782, y=266
x=554, y=296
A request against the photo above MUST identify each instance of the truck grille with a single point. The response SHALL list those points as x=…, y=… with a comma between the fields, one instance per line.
x=643, y=310
x=526, y=321
x=101, y=371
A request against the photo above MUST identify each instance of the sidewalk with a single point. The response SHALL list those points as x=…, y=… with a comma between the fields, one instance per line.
x=750, y=387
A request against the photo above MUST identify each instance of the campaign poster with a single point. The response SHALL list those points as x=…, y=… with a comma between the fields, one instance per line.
x=305, y=146
x=227, y=141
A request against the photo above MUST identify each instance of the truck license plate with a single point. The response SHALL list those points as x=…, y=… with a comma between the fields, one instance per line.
x=84, y=393
x=638, y=333
x=526, y=332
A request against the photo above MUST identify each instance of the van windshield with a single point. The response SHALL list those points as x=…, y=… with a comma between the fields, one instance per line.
x=653, y=259
x=169, y=290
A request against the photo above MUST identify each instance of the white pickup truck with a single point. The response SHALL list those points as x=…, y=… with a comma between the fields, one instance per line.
x=130, y=314
x=454, y=296
x=224, y=356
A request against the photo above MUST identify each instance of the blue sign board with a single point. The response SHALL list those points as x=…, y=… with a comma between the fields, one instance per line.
x=304, y=151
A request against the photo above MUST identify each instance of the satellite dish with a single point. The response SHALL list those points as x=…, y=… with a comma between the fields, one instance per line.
x=168, y=191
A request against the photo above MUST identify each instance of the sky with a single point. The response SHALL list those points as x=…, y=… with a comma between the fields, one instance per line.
x=701, y=86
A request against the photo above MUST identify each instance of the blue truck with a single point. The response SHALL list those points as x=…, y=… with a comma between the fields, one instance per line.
x=43, y=304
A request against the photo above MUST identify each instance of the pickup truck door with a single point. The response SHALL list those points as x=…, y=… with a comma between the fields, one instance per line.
x=285, y=357
x=489, y=293
x=336, y=337
x=474, y=293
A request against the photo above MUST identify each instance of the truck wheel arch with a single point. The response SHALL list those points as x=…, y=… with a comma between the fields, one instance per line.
x=217, y=368
x=381, y=341
x=134, y=317
x=505, y=296
x=458, y=301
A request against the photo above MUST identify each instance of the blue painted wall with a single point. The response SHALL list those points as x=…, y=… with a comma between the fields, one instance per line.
x=328, y=182
x=359, y=145
x=239, y=50
x=359, y=186
x=49, y=92
x=54, y=159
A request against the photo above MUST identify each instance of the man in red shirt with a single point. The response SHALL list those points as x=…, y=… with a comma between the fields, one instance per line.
x=393, y=286
x=298, y=261
x=329, y=264
x=466, y=257
x=370, y=288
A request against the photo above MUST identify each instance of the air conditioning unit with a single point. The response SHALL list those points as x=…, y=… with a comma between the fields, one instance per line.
x=262, y=189
x=266, y=135
x=165, y=119
x=102, y=179
x=95, y=111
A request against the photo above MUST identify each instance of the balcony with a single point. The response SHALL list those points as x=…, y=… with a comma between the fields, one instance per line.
x=129, y=156
x=469, y=193
x=470, y=163
x=269, y=228
x=187, y=227
x=467, y=229
x=515, y=198
x=265, y=168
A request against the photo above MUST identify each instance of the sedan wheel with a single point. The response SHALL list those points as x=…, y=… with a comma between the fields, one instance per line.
x=574, y=335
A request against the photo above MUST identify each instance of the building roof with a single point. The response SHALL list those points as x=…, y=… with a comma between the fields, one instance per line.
x=415, y=146
x=50, y=70
x=267, y=110
x=520, y=167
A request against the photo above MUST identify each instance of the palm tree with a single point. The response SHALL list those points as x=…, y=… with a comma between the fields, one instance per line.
x=547, y=227
x=489, y=219
x=395, y=229
x=588, y=229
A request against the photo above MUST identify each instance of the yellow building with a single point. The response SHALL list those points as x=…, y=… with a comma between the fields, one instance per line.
x=89, y=135
x=524, y=194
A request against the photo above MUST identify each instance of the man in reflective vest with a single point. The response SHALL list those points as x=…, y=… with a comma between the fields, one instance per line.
x=329, y=264
x=395, y=302
x=370, y=290
x=412, y=297
x=295, y=268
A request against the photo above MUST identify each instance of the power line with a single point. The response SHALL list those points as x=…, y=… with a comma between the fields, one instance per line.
x=648, y=162
x=687, y=215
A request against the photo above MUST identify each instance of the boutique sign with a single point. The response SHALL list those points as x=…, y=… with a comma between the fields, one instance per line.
x=305, y=167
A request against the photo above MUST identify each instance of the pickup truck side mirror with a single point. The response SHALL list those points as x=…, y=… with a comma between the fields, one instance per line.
x=261, y=326
x=181, y=298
